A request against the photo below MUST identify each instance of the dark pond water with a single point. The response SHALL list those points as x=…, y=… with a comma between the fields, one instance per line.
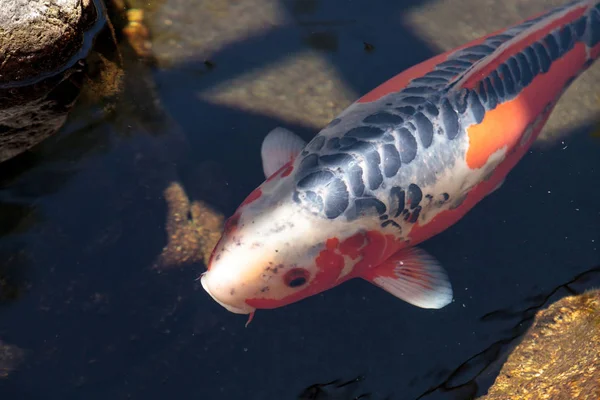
x=83, y=221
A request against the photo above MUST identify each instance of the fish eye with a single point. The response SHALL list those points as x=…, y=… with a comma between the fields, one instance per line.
x=296, y=277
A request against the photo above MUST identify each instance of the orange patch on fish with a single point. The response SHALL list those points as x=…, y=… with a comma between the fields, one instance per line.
x=288, y=170
x=282, y=172
x=353, y=245
x=255, y=195
x=504, y=125
x=330, y=264
x=374, y=248
x=447, y=218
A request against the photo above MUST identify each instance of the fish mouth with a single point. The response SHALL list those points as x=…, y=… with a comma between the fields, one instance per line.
x=228, y=307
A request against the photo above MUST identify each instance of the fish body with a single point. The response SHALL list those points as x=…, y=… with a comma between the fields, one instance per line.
x=400, y=165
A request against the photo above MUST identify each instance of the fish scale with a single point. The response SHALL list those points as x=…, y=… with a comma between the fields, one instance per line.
x=433, y=101
x=403, y=163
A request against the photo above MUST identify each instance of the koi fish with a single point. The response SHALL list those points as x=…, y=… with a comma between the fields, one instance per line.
x=402, y=164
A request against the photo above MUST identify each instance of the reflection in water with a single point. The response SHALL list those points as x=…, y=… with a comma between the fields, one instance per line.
x=129, y=22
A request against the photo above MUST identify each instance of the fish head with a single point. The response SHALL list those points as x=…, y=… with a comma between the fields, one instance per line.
x=273, y=252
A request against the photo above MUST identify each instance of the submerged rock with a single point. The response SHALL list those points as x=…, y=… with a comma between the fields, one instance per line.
x=42, y=45
x=193, y=230
x=559, y=357
x=10, y=357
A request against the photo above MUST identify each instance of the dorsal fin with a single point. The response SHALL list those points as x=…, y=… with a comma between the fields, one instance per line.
x=279, y=147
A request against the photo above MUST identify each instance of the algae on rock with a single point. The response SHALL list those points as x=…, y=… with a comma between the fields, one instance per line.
x=559, y=356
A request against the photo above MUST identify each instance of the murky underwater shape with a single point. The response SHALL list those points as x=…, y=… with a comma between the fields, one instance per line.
x=105, y=226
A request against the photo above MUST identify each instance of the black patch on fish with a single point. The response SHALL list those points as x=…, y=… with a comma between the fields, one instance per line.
x=407, y=145
x=419, y=90
x=365, y=132
x=449, y=120
x=552, y=46
x=369, y=206
x=391, y=160
x=374, y=175
x=424, y=128
x=336, y=199
x=431, y=109
x=460, y=100
x=565, y=38
x=336, y=160
x=414, y=196
x=476, y=107
x=333, y=144
x=413, y=100
x=355, y=179
x=526, y=74
x=533, y=60
x=579, y=27
x=481, y=91
x=414, y=216
x=393, y=223
x=314, y=179
x=407, y=110
x=334, y=122
x=316, y=144
x=347, y=142
x=315, y=200
x=481, y=49
x=594, y=34
x=383, y=118
x=492, y=98
x=513, y=65
x=397, y=196
x=433, y=78
x=507, y=80
x=309, y=163
x=542, y=56
x=498, y=85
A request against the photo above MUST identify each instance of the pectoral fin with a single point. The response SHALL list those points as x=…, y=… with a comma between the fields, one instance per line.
x=415, y=277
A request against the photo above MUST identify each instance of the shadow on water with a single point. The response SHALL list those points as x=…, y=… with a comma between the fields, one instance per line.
x=86, y=210
x=235, y=136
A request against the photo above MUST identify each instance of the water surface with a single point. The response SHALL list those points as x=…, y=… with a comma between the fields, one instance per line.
x=84, y=218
